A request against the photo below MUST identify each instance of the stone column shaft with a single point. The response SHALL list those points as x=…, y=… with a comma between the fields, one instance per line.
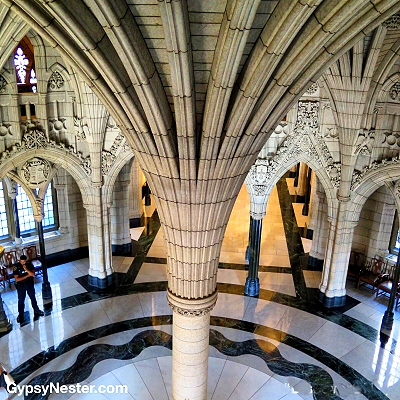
x=190, y=342
x=99, y=240
x=334, y=275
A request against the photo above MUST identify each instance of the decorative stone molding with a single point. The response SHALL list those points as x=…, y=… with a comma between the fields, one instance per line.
x=396, y=190
x=312, y=89
x=307, y=117
x=192, y=307
x=79, y=125
x=35, y=172
x=3, y=84
x=108, y=157
x=56, y=81
x=393, y=22
x=394, y=91
x=391, y=138
x=5, y=128
x=365, y=142
x=36, y=139
x=359, y=176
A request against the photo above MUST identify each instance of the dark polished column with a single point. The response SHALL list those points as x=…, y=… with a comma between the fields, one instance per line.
x=252, y=286
x=306, y=206
x=296, y=177
x=46, y=288
x=388, y=317
x=16, y=219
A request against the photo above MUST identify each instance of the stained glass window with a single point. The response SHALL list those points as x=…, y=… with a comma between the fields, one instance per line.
x=24, y=64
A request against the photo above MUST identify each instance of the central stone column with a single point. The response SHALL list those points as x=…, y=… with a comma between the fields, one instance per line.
x=191, y=322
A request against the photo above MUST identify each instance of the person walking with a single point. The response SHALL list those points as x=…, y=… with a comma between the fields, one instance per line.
x=24, y=272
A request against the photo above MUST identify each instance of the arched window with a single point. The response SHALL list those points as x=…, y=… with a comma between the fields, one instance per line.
x=23, y=208
x=24, y=64
x=27, y=223
x=3, y=214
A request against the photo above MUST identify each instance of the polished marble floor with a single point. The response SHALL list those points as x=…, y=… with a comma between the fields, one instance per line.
x=281, y=345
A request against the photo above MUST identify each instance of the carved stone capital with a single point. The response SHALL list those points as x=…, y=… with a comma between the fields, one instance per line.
x=192, y=307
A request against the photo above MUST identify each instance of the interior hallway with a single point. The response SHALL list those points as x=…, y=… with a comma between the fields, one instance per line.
x=281, y=345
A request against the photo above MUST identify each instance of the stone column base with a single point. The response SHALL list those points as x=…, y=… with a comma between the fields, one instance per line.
x=331, y=302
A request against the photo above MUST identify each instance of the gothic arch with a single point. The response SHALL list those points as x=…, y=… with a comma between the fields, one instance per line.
x=371, y=181
x=58, y=156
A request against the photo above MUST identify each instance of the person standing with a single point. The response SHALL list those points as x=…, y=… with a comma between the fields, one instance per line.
x=24, y=272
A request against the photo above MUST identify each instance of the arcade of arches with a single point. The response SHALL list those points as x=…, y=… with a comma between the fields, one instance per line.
x=201, y=99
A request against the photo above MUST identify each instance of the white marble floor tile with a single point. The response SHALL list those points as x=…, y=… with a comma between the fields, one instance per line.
x=136, y=232
x=250, y=383
x=122, y=307
x=128, y=375
x=150, y=272
x=154, y=303
x=300, y=323
x=86, y=316
x=230, y=305
x=150, y=373
x=264, y=312
x=230, y=377
x=272, y=390
x=326, y=339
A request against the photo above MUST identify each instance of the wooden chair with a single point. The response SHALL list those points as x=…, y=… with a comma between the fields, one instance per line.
x=34, y=257
x=9, y=260
x=356, y=264
x=373, y=273
x=385, y=287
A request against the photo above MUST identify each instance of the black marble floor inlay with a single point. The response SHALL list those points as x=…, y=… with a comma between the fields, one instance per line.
x=318, y=378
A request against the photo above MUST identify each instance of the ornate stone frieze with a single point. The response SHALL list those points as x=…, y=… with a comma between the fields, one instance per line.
x=365, y=142
x=3, y=84
x=36, y=139
x=5, y=128
x=393, y=22
x=359, y=176
x=191, y=307
x=79, y=129
x=56, y=81
x=191, y=313
x=35, y=172
x=397, y=189
x=305, y=140
x=394, y=91
x=391, y=139
x=307, y=117
x=312, y=89
x=108, y=157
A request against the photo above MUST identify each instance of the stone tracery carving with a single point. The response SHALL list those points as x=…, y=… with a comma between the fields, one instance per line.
x=394, y=91
x=365, y=142
x=359, y=176
x=108, y=157
x=40, y=142
x=35, y=172
x=393, y=22
x=307, y=117
x=56, y=81
x=3, y=84
x=313, y=88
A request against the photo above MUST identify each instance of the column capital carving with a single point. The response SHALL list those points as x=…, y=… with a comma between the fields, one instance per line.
x=192, y=307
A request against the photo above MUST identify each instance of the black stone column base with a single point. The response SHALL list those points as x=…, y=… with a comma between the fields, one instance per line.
x=314, y=264
x=331, y=302
x=96, y=283
x=47, y=295
x=387, y=320
x=252, y=287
